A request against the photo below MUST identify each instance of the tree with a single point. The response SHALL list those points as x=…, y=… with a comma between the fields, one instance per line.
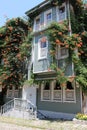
x=15, y=49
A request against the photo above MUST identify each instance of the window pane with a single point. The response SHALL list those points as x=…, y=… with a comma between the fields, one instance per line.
x=61, y=10
x=69, y=85
x=61, y=63
x=47, y=86
x=43, y=48
x=57, y=86
x=48, y=17
x=43, y=44
x=62, y=13
x=37, y=21
x=37, y=24
x=63, y=51
x=43, y=52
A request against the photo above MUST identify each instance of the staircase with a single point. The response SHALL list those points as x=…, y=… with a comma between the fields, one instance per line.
x=19, y=108
x=41, y=115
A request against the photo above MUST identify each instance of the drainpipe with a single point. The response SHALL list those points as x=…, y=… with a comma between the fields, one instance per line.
x=69, y=20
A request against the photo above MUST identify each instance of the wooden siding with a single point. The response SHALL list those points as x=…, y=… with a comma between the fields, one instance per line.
x=43, y=65
x=60, y=106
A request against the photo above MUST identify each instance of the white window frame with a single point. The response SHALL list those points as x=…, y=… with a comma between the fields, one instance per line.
x=39, y=49
x=57, y=8
x=69, y=91
x=39, y=28
x=45, y=19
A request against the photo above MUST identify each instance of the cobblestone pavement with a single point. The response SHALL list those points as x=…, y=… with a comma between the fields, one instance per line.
x=5, y=126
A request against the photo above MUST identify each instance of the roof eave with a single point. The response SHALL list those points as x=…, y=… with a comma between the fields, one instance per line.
x=41, y=5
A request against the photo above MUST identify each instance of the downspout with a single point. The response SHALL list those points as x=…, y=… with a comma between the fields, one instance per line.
x=30, y=65
x=69, y=20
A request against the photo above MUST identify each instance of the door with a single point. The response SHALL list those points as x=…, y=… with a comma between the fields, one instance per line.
x=29, y=93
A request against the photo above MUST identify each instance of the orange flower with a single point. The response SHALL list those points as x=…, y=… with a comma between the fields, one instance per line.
x=79, y=53
x=60, y=33
x=63, y=84
x=49, y=69
x=78, y=45
x=67, y=46
x=10, y=28
x=57, y=41
x=82, y=52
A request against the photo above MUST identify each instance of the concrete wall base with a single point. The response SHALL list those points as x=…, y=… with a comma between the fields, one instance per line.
x=57, y=115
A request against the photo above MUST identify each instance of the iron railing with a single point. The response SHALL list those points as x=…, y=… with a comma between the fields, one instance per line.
x=20, y=104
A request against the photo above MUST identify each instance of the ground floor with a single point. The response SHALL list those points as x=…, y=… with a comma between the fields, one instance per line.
x=51, y=99
x=55, y=101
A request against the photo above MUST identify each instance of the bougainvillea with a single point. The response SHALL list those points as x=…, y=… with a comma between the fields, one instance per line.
x=15, y=49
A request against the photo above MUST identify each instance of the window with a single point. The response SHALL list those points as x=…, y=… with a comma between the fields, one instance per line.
x=2, y=61
x=57, y=91
x=69, y=91
x=12, y=92
x=37, y=24
x=54, y=92
x=61, y=63
x=42, y=48
x=62, y=52
x=46, y=91
x=61, y=15
x=48, y=17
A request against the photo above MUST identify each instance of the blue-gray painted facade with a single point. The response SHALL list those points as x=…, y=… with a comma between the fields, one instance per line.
x=43, y=64
x=64, y=107
x=40, y=69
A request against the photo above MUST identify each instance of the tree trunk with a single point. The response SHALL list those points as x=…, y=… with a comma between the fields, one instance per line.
x=84, y=104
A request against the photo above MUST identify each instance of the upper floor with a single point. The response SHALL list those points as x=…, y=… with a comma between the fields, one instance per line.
x=47, y=12
x=42, y=16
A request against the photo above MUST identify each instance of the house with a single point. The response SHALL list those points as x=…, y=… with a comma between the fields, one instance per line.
x=51, y=98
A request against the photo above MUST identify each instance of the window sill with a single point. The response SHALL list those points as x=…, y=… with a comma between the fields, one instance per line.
x=45, y=58
x=58, y=101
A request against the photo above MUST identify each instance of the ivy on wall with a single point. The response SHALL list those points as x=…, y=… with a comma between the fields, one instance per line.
x=58, y=34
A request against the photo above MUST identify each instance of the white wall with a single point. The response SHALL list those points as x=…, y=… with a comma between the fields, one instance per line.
x=29, y=93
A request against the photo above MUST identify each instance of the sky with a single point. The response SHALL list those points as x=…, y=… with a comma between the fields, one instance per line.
x=15, y=8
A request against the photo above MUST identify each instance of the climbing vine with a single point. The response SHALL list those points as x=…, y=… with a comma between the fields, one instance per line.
x=58, y=35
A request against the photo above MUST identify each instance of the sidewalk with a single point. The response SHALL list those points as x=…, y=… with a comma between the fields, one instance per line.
x=6, y=126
